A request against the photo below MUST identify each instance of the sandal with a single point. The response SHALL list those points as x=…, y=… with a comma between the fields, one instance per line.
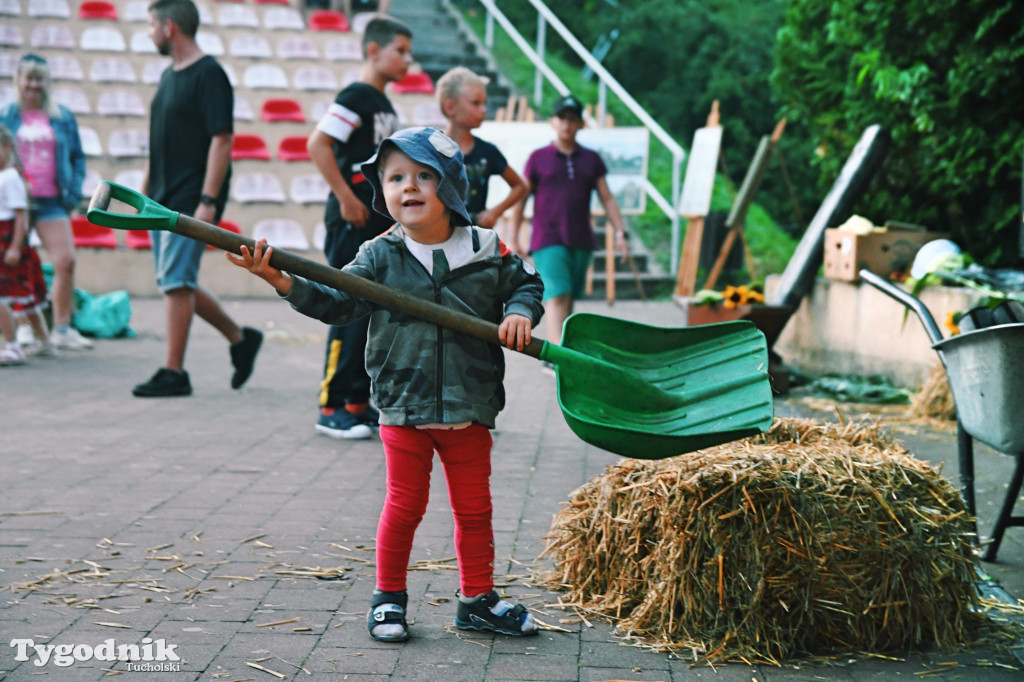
x=491, y=613
x=387, y=610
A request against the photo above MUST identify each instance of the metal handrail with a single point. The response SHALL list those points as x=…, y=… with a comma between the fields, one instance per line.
x=546, y=16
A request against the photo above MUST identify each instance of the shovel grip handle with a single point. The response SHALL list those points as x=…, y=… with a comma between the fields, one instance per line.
x=321, y=273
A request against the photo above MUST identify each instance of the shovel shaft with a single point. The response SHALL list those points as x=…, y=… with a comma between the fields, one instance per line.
x=387, y=297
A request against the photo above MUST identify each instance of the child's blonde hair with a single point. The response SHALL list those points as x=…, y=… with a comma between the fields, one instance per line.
x=8, y=141
x=450, y=85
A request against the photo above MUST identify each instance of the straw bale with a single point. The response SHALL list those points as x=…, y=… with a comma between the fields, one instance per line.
x=808, y=539
x=935, y=399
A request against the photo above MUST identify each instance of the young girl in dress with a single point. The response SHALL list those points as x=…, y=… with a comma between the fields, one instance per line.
x=21, y=274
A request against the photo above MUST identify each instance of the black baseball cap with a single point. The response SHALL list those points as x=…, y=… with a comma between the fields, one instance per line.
x=567, y=103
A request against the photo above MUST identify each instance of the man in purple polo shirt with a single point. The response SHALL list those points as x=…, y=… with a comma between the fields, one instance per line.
x=561, y=176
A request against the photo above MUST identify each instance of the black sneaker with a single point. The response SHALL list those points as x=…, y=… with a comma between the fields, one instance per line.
x=343, y=424
x=164, y=384
x=491, y=613
x=243, y=355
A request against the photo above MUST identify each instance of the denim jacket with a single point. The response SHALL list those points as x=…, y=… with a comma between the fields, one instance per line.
x=70, y=157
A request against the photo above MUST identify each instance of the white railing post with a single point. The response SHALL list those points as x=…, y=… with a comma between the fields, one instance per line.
x=538, y=77
x=489, y=30
x=602, y=103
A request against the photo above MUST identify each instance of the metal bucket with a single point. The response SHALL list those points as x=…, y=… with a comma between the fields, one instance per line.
x=986, y=373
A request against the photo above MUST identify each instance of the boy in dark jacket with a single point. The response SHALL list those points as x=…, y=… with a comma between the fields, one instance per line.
x=437, y=390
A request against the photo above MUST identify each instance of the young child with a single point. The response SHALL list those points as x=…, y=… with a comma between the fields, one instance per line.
x=562, y=176
x=436, y=389
x=462, y=95
x=21, y=274
x=348, y=134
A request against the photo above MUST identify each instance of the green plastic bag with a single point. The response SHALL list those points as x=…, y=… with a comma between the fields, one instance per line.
x=105, y=316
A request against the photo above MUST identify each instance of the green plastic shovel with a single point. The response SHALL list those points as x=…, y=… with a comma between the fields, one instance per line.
x=629, y=388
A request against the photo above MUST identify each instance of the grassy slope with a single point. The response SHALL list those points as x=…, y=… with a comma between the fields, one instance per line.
x=769, y=246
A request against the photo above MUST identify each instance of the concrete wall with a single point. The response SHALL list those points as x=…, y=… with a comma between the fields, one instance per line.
x=854, y=329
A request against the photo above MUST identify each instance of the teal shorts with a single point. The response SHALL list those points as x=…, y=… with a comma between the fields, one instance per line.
x=563, y=269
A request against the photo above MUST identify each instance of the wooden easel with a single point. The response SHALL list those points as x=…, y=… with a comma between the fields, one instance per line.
x=695, y=201
x=734, y=223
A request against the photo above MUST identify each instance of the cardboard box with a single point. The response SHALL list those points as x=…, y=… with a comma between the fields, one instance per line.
x=882, y=253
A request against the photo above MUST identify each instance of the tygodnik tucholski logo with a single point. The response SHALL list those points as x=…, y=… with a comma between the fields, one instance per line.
x=147, y=656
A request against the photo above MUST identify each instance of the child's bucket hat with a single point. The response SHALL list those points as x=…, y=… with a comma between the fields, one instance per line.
x=434, y=149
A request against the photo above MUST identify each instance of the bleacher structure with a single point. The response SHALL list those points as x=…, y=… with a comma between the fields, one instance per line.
x=286, y=65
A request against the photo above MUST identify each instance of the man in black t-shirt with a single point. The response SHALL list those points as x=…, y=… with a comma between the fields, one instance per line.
x=189, y=168
x=348, y=134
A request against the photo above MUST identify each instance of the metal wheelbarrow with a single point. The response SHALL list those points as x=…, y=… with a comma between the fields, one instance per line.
x=986, y=375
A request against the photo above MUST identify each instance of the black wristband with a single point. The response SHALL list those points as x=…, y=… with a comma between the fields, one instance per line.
x=207, y=200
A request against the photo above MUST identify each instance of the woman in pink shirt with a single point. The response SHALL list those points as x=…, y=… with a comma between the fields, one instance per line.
x=54, y=163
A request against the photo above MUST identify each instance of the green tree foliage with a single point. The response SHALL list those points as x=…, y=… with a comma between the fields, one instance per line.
x=945, y=78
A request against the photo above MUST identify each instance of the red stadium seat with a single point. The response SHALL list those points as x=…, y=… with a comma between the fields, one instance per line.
x=414, y=83
x=138, y=239
x=97, y=9
x=328, y=20
x=248, y=146
x=230, y=225
x=293, y=148
x=271, y=2
x=90, y=235
x=282, y=110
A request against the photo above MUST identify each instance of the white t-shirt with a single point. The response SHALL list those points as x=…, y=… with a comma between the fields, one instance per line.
x=13, y=194
x=458, y=249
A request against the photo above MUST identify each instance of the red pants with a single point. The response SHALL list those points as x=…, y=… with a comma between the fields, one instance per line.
x=466, y=457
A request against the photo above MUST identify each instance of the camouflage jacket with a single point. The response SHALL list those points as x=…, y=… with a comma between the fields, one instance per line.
x=422, y=373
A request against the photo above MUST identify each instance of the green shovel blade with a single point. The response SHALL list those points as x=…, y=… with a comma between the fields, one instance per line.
x=651, y=392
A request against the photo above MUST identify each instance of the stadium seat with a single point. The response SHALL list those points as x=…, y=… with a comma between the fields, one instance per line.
x=138, y=239
x=64, y=68
x=414, y=83
x=90, y=141
x=90, y=235
x=238, y=16
x=120, y=103
x=250, y=45
x=136, y=11
x=281, y=109
x=210, y=43
x=205, y=15
x=282, y=233
x=58, y=9
x=310, y=188
x=7, y=95
x=328, y=20
x=230, y=71
x=300, y=47
x=10, y=36
x=293, y=148
x=151, y=71
x=132, y=179
x=314, y=78
x=8, y=64
x=266, y=76
x=360, y=20
x=10, y=8
x=257, y=188
x=249, y=146
x=243, y=110
x=319, y=236
x=129, y=142
x=320, y=108
x=271, y=2
x=283, y=19
x=229, y=225
x=112, y=70
x=103, y=39
x=52, y=37
x=97, y=9
x=90, y=182
x=342, y=50
x=75, y=99
x=141, y=43
x=429, y=114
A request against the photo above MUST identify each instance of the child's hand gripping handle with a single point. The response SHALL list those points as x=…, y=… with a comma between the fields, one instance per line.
x=153, y=216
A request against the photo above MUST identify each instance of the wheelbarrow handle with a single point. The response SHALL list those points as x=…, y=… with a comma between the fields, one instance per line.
x=153, y=216
x=911, y=302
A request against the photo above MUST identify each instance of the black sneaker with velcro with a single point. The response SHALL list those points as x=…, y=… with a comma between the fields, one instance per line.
x=491, y=613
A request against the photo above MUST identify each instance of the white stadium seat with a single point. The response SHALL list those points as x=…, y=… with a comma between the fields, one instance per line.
x=243, y=110
x=90, y=141
x=90, y=182
x=141, y=43
x=283, y=19
x=253, y=46
x=129, y=142
x=120, y=103
x=151, y=71
x=210, y=43
x=343, y=50
x=136, y=11
x=10, y=8
x=75, y=99
x=58, y=9
x=315, y=78
x=103, y=39
x=8, y=64
x=52, y=37
x=298, y=47
x=132, y=179
x=237, y=16
x=283, y=233
x=64, y=68
x=249, y=188
x=265, y=76
x=112, y=70
x=10, y=36
x=310, y=188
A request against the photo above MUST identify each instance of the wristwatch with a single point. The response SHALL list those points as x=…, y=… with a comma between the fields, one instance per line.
x=207, y=200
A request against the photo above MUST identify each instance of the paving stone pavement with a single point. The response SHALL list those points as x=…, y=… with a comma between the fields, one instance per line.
x=204, y=521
